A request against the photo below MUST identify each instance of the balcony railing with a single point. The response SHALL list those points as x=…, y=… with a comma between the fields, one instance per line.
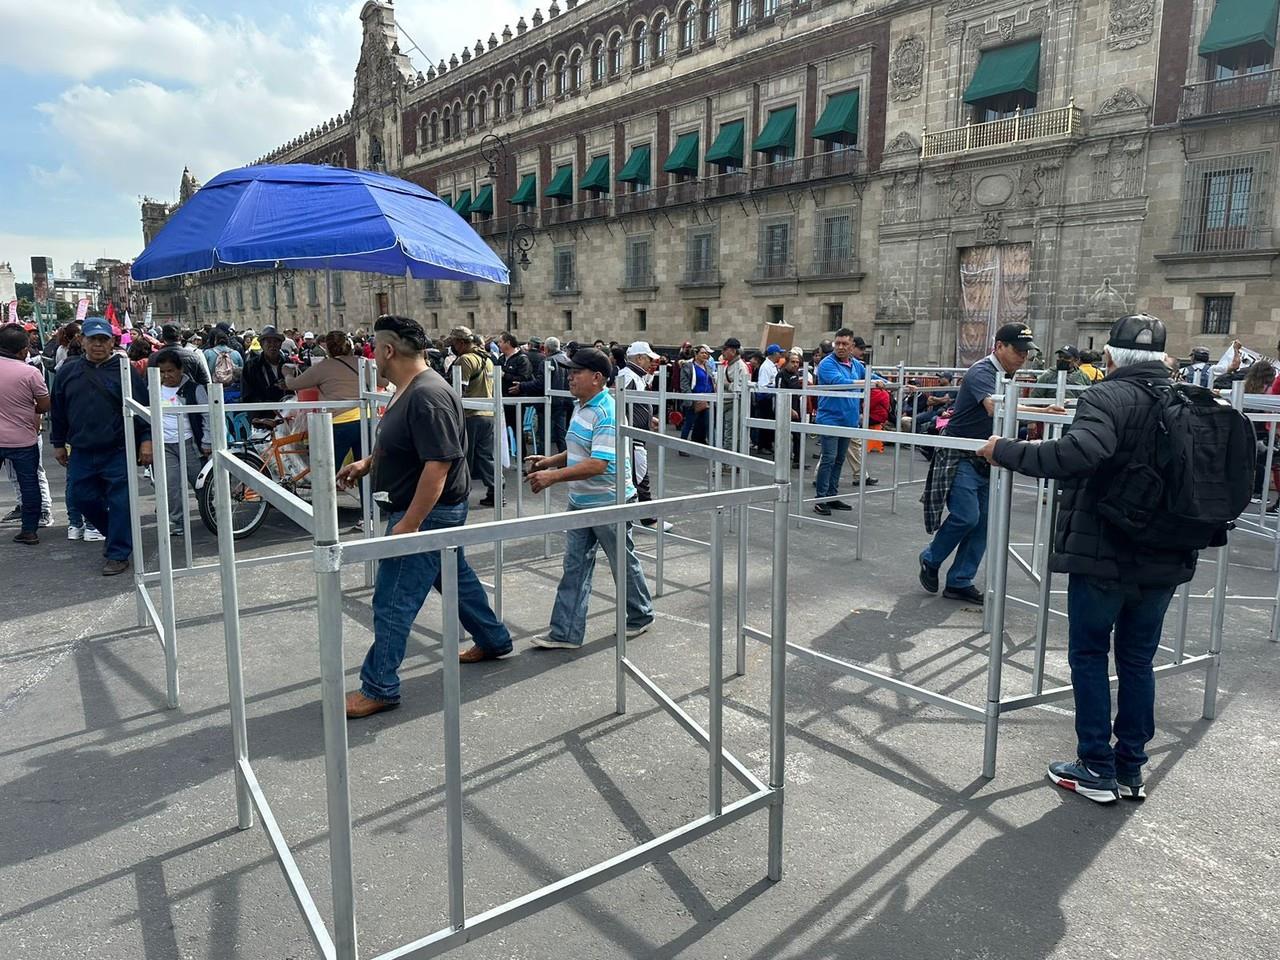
x=835, y=265
x=775, y=270
x=639, y=278
x=696, y=275
x=1214, y=97
x=1225, y=240
x=1062, y=124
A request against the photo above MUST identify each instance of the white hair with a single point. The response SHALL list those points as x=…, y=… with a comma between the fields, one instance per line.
x=551, y=344
x=1127, y=356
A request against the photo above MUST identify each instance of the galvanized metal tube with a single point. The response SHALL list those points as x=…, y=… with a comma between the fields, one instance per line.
x=221, y=481
x=717, y=433
x=139, y=559
x=743, y=516
x=164, y=546
x=499, y=491
x=715, y=689
x=622, y=467
x=518, y=460
x=864, y=460
x=1184, y=608
x=798, y=498
x=897, y=447
x=186, y=501
x=452, y=734
x=659, y=484
x=998, y=572
x=324, y=499
x=368, y=436
x=778, y=648
x=546, y=452
x=1044, y=596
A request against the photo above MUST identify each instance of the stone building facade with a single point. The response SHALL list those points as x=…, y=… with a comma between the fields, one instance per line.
x=920, y=171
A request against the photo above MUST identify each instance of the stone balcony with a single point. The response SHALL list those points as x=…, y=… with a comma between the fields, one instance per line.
x=1064, y=124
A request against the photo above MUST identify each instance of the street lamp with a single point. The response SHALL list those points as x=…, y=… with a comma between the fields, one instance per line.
x=520, y=236
x=286, y=274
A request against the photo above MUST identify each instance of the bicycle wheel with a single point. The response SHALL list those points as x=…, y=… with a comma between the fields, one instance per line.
x=248, y=508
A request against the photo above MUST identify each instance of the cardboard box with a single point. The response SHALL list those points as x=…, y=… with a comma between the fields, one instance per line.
x=783, y=334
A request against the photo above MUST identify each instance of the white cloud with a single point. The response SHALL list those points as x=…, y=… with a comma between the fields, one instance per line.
x=44, y=177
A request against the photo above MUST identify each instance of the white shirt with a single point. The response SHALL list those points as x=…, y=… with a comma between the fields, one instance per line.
x=767, y=378
x=170, y=397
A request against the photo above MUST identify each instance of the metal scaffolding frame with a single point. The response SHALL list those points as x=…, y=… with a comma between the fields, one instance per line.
x=330, y=555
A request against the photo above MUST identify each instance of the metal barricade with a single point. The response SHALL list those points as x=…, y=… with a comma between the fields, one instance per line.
x=330, y=556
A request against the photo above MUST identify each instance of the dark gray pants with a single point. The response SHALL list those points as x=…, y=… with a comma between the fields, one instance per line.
x=480, y=449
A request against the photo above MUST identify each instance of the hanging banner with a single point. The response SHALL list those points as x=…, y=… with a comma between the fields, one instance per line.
x=82, y=309
x=146, y=317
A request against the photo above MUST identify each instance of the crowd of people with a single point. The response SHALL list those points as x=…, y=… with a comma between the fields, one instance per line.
x=437, y=442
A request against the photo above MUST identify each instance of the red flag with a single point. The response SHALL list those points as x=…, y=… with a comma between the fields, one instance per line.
x=110, y=314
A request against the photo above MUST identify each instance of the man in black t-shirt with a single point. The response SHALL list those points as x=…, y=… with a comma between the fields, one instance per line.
x=421, y=482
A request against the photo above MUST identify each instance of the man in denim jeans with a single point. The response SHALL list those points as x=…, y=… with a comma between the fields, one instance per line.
x=590, y=466
x=421, y=482
x=1117, y=591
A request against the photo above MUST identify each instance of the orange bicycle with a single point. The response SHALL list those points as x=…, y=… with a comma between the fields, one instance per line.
x=279, y=452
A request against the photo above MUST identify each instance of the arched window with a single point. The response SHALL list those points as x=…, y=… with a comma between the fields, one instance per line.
x=562, y=77
x=639, y=45
x=511, y=97
x=597, y=62
x=540, y=85
x=659, y=30
x=686, y=26
x=481, y=106
x=424, y=133
x=471, y=114
x=434, y=127
x=710, y=19
x=741, y=14
x=497, y=103
x=768, y=8
x=447, y=123
x=615, y=54
x=575, y=71
x=526, y=85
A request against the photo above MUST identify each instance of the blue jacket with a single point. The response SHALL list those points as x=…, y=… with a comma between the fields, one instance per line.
x=87, y=405
x=842, y=411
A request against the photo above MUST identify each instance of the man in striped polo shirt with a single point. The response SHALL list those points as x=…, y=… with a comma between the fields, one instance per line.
x=590, y=466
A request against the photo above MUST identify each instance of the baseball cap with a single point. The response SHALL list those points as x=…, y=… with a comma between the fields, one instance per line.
x=860, y=343
x=589, y=358
x=733, y=343
x=1139, y=331
x=308, y=335
x=1017, y=335
x=270, y=333
x=641, y=348
x=535, y=343
x=773, y=350
x=1200, y=354
x=461, y=333
x=1068, y=350
x=170, y=331
x=96, y=327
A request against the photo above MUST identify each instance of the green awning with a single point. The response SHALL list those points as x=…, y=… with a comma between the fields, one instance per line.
x=483, y=203
x=684, y=158
x=527, y=194
x=779, y=133
x=447, y=198
x=637, y=168
x=839, y=122
x=597, y=176
x=727, y=149
x=561, y=185
x=1005, y=70
x=463, y=207
x=1238, y=23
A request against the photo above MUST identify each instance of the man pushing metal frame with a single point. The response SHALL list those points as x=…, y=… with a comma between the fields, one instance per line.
x=320, y=519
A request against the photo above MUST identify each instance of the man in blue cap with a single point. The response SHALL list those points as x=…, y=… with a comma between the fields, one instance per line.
x=88, y=417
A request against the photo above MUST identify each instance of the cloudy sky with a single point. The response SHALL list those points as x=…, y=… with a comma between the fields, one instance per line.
x=107, y=100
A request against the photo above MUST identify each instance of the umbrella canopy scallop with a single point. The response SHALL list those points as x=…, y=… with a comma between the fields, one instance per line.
x=314, y=218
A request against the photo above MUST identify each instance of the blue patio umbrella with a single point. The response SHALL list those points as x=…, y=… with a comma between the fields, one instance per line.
x=318, y=218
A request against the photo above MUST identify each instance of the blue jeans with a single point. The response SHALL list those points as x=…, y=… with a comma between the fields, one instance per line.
x=569, y=615
x=99, y=481
x=399, y=593
x=829, y=467
x=26, y=464
x=965, y=527
x=1095, y=608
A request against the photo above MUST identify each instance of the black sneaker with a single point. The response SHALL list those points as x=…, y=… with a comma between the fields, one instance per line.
x=1076, y=776
x=838, y=505
x=928, y=577
x=1131, y=787
x=969, y=594
x=13, y=516
x=872, y=481
x=822, y=508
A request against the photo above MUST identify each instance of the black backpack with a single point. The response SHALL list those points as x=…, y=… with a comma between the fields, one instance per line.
x=1191, y=477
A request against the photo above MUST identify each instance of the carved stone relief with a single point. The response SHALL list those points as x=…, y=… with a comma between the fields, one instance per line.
x=953, y=194
x=902, y=198
x=955, y=31
x=906, y=68
x=1130, y=23
x=1104, y=305
x=903, y=143
x=992, y=228
x=1006, y=25
x=1123, y=100
x=1117, y=168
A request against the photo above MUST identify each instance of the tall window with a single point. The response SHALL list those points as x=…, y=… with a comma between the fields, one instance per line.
x=575, y=71
x=290, y=294
x=481, y=106
x=540, y=85
x=615, y=54
x=239, y=297
x=471, y=114
x=741, y=14
x=497, y=103
x=774, y=255
x=597, y=62
x=659, y=37
x=1217, y=315
x=833, y=247
x=700, y=256
x=639, y=262
x=1225, y=216
x=526, y=86
x=1226, y=203
x=562, y=77
x=687, y=26
x=313, y=293
x=335, y=287
x=435, y=128
x=565, y=279
x=511, y=97
x=253, y=295
x=639, y=45
x=710, y=19
x=447, y=123
x=768, y=8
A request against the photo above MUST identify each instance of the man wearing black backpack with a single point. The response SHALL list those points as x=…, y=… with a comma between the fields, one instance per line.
x=1134, y=512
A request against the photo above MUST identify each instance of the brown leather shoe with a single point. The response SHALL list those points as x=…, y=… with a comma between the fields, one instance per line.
x=358, y=705
x=477, y=654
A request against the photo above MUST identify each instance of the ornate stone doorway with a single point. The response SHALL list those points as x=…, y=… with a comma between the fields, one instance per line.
x=994, y=286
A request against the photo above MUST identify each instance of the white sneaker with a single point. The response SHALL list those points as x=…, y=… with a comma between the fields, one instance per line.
x=546, y=643
x=46, y=519
x=75, y=533
x=91, y=535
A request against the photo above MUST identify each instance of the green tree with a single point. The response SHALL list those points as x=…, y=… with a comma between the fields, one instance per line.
x=65, y=312
x=25, y=291
x=24, y=308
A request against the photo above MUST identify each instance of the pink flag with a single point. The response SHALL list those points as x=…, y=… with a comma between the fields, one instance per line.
x=82, y=309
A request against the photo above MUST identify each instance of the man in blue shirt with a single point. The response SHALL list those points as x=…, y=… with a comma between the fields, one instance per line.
x=964, y=531
x=838, y=368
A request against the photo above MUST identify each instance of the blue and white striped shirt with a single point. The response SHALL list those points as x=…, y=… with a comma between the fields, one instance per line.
x=593, y=433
